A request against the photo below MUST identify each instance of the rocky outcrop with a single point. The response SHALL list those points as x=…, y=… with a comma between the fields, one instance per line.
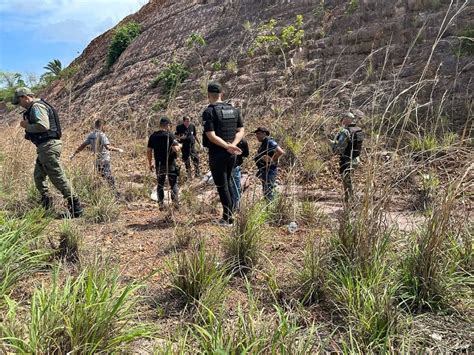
x=355, y=53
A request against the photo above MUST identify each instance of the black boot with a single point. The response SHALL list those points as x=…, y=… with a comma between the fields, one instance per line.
x=74, y=207
x=47, y=202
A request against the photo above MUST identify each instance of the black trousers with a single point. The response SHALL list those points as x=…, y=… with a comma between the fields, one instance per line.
x=170, y=171
x=221, y=164
x=189, y=154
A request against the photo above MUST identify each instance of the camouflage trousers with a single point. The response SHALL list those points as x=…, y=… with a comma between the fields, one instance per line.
x=48, y=165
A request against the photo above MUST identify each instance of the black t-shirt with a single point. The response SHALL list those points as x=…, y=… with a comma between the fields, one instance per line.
x=209, y=118
x=161, y=143
x=245, y=152
x=189, y=133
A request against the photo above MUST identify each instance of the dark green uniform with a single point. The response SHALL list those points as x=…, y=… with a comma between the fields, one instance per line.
x=43, y=129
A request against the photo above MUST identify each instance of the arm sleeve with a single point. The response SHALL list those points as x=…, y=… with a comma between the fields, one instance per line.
x=150, y=142
x=41, y=118
x=104, y=139
x=208, y=121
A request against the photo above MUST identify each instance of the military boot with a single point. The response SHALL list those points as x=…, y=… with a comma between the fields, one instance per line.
x=47, y=202
x=74, y=207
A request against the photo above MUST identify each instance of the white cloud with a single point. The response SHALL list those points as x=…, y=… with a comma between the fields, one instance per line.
x=65, y=20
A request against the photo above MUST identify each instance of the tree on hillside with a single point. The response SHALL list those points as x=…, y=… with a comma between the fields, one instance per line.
x=54, y=67
x=8, y=83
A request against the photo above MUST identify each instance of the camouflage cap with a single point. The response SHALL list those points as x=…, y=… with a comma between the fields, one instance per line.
x=214, y=87
x=19, y=92
x=347, y=114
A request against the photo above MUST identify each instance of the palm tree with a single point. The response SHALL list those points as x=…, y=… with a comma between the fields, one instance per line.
x=54, y=67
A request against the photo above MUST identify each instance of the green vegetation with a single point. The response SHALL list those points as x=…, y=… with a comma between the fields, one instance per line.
x=352, y=6
x=54, y=67
x=466, y=46
x=70, y=241
x=171, y=77
x=21, y=250
x=312, y=273
x=199, y=279
x=89, y=313
x=217, y=66
x=243, y=247
x=121, y=39
x=269, y=39
x=429, y=271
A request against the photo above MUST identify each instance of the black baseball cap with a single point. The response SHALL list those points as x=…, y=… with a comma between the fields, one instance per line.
x=214, y=87
x=164, y=120
x=263, y=130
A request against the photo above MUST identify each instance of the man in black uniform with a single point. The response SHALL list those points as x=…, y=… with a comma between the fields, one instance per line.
x=223, y=130
x=186, y=133
x=164, y=146
x=348, y=145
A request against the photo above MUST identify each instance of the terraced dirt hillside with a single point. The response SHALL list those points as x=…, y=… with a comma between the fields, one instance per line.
x=354, y=53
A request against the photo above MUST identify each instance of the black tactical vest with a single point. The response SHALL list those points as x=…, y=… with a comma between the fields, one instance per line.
x=356, y=137
x=226, y=118
x=54, y=131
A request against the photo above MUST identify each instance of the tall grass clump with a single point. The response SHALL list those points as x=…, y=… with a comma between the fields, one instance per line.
x=70, y=240
x=87, y=314
x=360, y=282
x=312, y=274
x=255, y=331
x=281, y=210
x=243, y=246
x=428, y=272
x=200, y=280
x=102, y=205
x=21, y=250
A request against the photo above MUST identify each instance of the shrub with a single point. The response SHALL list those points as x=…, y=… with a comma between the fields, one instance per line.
x=89, y=313
x=424, y=144
x=217, y=66
x=172, y=76
x=232, y=66
x=289, y=37
x=242, y=247
x=352, y=6
x=466, y=46
x=121, y=39
x=159, y=105
x=195, y=40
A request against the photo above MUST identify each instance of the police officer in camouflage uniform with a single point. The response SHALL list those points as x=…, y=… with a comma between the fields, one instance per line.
x=348, y=145
x=42, y=128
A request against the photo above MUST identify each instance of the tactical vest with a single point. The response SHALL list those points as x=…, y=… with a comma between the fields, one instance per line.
x=226, y=118
x=356, y=137
x=54, y=131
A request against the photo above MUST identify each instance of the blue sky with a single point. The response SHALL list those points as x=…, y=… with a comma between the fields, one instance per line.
x=34, y=32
